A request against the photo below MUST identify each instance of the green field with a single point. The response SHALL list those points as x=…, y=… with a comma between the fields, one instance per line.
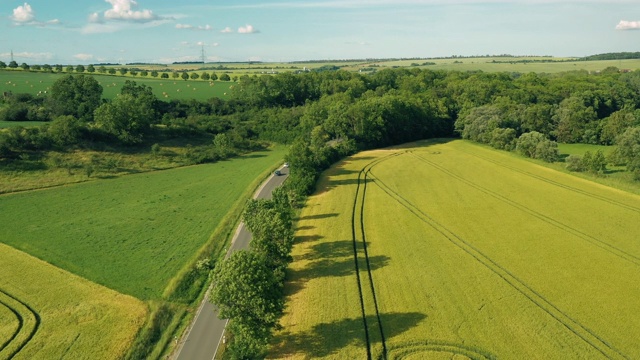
x=470, y=253
x=48, y=313
x=132, y=233
x=164, y=89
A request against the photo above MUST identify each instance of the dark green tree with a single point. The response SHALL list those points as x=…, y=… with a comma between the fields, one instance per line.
x=78, y=96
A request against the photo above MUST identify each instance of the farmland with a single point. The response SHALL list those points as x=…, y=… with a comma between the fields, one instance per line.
x=462, y=250
x=132, y=233
x=164, y=89
x=49, y=313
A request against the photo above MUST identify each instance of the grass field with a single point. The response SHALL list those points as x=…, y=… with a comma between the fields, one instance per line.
x=48, y=313
x=462, y=251
x=164, y=89
x=132, y=233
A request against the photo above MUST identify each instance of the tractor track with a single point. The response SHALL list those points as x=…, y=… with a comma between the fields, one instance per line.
x=32, y=332
x=582, y=332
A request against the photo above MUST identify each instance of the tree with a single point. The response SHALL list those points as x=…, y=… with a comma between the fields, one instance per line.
x=133, y=72
x=3, y=65
x=13, y=64
x=36, y=67
x=175, y=74
x=225, y=77
x=272, y=231
x=65, y=130
x=80, y=68
x=69, y=69
x=222, y=144
x=58, y=68
x=573, y=117
x=194, y=76
x=164, y=75
x=535, y=145
x=184, y=75
x=628, y=148
x=205, y=76
x=112, y=71
x=129, y=116
x=154, y=73
x=91, y=69
x=144, y=73
x=102, y=69
x=76, y=95
x=47, y=68
x=24, y=66
x=214, y=77
x=123, y=71
x=248, y=294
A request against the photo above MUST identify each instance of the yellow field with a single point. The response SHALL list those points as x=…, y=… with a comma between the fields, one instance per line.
x=470, y=253
x=47, y=313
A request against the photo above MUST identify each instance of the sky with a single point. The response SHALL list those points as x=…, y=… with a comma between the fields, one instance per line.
x=164, y=31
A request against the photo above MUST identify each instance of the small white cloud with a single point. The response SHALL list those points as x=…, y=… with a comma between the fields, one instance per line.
x=126, y=10
x=226, y=30
x=215, y=44
x=31, y=56
x=628, y=25
x=95, y=18
x=201, y=43
x=23, y=14
x=83, y=57
x=191, y=27
x=54, y=22
x=249, y=29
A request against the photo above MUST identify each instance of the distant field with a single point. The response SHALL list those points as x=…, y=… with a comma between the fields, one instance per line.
x=470, y=252
x=48, y=313
x=164, y=89
x=132, y=233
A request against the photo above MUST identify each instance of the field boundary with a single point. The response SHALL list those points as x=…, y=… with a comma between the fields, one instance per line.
x=587, y=335
x=552, y=182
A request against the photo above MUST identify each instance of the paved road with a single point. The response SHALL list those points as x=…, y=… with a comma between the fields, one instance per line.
x=203, y=338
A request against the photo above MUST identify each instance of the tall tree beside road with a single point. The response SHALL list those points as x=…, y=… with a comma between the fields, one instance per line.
x=249, y=294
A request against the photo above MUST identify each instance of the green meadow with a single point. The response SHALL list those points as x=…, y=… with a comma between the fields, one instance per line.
x=449, y=249
x=133, y=233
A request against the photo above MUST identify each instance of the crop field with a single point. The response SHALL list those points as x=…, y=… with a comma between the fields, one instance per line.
x=132, y=233
x=48, y=313
x=165, y=89
x=449, y=249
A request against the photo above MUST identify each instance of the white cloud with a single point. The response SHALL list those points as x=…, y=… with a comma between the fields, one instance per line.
x=628, y=25
x=23, y=14
x=249, y=29
x=226, y=30
x=29, y=55
x=126, y=10
x=95, y=18
x=83, y=57
x=191, y=27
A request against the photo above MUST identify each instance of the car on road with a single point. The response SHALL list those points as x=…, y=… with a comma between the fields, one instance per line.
x=277, y=172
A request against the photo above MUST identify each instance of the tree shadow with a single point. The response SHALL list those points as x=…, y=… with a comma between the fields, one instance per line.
x=306, y=227
x=336, y=267
x=306, y=239
x=327, y=339
x=318, y=216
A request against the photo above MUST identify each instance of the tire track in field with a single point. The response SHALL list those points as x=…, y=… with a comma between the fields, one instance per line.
x=569, y=323
x=413, y=348
x=357, y=218
x=18, y=329
x=32, y=332
x=556, y=183
x=549, y=220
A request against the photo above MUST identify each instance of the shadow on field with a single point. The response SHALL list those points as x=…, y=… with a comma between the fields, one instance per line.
x=327, y=339
x=336, y=268
x=319, y=216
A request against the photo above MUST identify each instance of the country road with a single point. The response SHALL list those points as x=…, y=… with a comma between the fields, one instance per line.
x=205, y=335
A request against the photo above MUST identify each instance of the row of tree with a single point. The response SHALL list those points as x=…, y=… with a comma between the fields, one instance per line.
x=249, y=284
x=90, y=69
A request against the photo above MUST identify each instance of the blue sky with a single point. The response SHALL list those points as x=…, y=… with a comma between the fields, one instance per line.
x=163, y=31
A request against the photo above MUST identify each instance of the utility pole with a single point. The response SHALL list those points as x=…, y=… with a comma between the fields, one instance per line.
x=202, y=57
x=11, y=55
